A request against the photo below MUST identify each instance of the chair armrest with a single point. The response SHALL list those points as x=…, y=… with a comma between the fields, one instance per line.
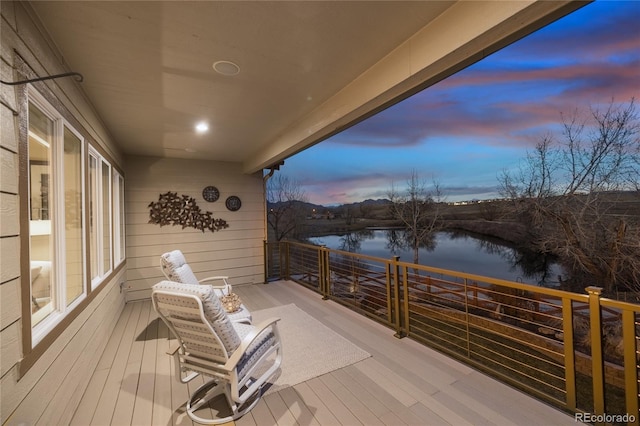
x=248, y=340
x=223, y=286
x=173, y=349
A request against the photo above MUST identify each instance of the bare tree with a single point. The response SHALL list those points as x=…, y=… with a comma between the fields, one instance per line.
x=365, y=210
x=572, y=194
x=418, y=210
x=284, y=199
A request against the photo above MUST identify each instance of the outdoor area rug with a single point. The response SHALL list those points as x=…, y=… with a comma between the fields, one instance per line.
x=309, y=347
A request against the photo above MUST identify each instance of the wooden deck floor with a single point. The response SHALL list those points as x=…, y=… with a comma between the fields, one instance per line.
x=402, y=383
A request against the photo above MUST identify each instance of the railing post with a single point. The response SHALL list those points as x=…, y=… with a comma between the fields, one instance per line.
x=466, y=317
x=390, y=275
x=324, y=273
x=569, y=354
x=396, y=297
x=327, y=270
x=321, y=283
x=265, y=253
x=405, y=305
x=284, y=260
x=475, y=293
x=630, y=363
x=595, y=321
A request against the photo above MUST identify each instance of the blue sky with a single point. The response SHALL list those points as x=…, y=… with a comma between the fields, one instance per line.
x=466, y=129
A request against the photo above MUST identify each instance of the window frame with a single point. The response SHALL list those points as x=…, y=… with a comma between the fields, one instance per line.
x=97, y=186
x=58, y=289
x=32, y=350
x=118, y=214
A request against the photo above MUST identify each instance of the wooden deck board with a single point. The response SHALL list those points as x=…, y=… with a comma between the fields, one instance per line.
x=360, y=409
x=123, y=411
x=162, y=412
x=90, y=399
x=143, y=404
x=262, y=415
x=321, y=412
x=279, y=410
x=338, y=407
x=400, y=389
x=109, y=398
x=298, y=407
x=361, y=393
x=397, y=410
x=402, y=383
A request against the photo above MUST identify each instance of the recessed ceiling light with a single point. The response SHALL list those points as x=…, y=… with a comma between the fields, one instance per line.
x=202, y=127
x=226, y=68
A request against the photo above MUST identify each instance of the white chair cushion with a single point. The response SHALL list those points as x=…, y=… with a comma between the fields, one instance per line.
x=213, y=310
x=260, y=345
x=175, y=268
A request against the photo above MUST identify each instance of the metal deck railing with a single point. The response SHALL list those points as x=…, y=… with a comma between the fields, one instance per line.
x=579, y=352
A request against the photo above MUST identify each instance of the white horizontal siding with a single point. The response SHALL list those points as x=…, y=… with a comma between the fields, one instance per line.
x=50, y=389
x=236, y=251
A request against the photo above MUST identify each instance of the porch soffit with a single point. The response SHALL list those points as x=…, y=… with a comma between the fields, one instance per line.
x=307, y=69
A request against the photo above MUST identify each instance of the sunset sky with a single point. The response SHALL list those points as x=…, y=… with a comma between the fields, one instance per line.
x=465, y=130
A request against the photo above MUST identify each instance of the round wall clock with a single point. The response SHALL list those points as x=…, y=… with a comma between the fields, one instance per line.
x=233, y=203
x=210, y=194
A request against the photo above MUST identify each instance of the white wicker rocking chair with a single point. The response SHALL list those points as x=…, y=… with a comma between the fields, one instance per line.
x=235, y=358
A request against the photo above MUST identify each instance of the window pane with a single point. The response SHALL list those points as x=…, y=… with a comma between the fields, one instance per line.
x=40, y=203
x=93, y=217
x=106, y=217
x=73, y=214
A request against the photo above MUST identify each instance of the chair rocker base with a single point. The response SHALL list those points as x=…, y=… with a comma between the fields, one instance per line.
x=210, y=390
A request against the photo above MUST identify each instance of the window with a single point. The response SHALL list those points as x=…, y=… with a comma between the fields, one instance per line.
x=56, y=242
x=99, y=217
x=118, y=218
x=73, y=233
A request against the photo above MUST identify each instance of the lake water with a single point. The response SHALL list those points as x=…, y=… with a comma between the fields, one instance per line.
x=454, y=251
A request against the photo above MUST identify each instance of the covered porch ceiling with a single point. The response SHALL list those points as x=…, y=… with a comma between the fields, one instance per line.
x=307, y=69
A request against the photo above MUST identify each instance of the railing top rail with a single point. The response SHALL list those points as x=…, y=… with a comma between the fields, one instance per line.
x=305, y=245
x=527, y=287
x=341, y=252
x=361, y=256
x=618, y=304
x=496, y=281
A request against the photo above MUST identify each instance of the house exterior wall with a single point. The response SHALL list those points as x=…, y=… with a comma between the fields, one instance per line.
x=48, y=391
x=236, y=251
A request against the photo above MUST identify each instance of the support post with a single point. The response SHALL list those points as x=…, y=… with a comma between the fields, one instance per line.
x=396, y=297
x=595, y=321
x=569, y=354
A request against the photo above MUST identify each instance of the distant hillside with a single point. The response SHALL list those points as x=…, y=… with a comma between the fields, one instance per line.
x=372, y=205
x=303, y=206
x=367, y=209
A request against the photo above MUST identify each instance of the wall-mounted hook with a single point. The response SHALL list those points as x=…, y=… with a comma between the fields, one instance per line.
x=78, y=76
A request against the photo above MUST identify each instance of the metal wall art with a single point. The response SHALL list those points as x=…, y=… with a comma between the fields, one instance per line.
x=171, y=209
x=233, y=203
x=210, y=194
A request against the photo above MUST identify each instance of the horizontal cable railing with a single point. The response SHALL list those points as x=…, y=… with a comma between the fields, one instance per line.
x=538, y=339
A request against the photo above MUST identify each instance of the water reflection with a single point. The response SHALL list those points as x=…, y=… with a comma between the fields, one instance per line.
x=531, y=265
x=456, y=251
x=352, y=242
x=401, y=240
